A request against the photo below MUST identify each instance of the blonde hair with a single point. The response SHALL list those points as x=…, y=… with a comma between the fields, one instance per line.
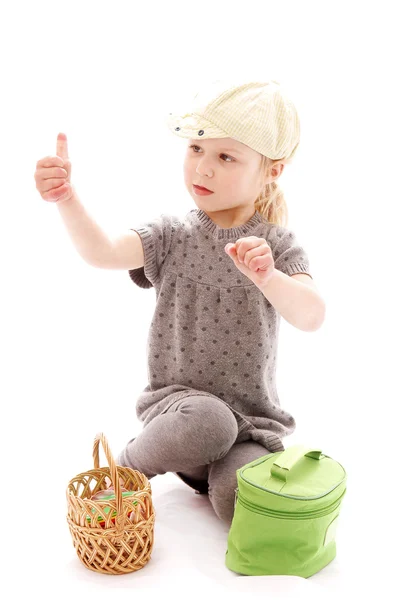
x=271, y=202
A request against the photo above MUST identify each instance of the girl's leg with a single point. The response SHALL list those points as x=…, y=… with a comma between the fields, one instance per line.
x=195, y=431
x=222, y=477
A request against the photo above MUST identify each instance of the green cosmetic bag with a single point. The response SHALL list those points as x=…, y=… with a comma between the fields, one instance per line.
x=286, y=513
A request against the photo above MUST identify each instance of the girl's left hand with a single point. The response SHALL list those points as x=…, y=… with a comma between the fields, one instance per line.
x=253, y=257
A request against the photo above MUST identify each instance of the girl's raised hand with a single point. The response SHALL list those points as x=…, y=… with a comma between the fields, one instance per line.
x=53, y=173
x=253, y=257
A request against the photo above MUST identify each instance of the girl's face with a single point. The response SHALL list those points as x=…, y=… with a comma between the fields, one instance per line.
x=230, y=169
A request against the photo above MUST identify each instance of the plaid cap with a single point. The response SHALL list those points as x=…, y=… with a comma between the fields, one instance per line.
x=257, y=114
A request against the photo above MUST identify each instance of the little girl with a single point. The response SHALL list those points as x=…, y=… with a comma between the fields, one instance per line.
x=223, y=275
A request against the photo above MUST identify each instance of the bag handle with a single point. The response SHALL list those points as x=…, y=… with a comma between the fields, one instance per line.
x=290, y=457
x=119, y=518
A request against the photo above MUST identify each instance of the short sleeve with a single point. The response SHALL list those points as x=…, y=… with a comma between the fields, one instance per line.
x=289, y=255
x=156, y=238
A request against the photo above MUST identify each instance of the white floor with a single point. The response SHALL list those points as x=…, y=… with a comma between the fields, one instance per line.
x=188, y=558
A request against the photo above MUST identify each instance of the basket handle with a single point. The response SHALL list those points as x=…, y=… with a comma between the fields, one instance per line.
x=119, y=518
x=290, y=457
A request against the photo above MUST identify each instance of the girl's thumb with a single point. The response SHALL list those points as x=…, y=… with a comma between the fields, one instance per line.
x=62, y=146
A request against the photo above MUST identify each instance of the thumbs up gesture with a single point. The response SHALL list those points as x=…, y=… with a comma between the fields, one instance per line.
x=53, y=174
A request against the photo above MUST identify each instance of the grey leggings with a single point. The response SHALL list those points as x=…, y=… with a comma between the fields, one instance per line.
x=196, y=440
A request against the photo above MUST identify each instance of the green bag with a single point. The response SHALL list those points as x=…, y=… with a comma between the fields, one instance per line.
x=286, y=513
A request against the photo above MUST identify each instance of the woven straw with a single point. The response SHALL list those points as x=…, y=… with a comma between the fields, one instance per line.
x=107, y=542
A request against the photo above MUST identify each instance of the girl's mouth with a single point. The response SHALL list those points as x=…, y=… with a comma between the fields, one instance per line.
x=201, y=191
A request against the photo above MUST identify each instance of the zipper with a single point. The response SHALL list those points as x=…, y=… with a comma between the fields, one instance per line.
x=260, y=487
x=284, y=514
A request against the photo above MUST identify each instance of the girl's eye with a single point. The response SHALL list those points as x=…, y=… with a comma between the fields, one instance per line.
x=230, y=158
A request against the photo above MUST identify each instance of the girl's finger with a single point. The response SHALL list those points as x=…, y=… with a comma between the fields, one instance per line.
x=229, y=247
x=260, y=263
x=256, y=243
x=261, y=251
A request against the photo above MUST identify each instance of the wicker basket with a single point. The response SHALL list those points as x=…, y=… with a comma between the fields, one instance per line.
x=113, y=536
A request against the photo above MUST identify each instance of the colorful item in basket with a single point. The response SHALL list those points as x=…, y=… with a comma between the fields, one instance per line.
x=109, y=494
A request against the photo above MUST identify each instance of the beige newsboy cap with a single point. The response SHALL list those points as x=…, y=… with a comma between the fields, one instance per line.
x=256, y=113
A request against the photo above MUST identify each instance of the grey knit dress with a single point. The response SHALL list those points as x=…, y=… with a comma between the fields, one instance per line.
x=213, y=332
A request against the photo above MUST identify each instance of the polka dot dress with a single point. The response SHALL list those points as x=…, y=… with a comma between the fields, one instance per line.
x=213, y=332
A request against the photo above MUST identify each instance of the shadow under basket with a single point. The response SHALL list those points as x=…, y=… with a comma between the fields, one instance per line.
x=111, y=536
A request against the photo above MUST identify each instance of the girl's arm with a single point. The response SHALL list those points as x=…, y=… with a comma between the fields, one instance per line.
x=298, y=302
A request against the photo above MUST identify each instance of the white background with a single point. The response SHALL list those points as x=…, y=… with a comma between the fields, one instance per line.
x=74, y=337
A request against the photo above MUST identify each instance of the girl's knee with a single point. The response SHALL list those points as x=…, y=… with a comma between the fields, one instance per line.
x=212, y=423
